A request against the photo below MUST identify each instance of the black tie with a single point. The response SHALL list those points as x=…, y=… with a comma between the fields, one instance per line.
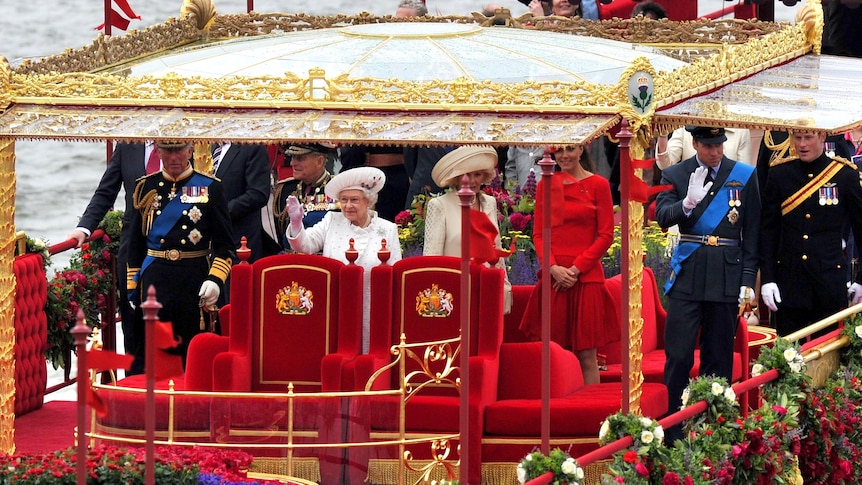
x=709, y=178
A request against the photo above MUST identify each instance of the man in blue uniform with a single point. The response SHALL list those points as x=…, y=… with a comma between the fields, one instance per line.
x=808, y=201
x=716, y=203
x=180, y=242
x=310, y=176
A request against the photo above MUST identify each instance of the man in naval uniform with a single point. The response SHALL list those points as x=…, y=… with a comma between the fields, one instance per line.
x=808, y=201
x=310, y=176
x=181, y=243
x=716, y=203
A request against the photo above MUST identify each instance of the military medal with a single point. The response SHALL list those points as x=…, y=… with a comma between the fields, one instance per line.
x=734, y=197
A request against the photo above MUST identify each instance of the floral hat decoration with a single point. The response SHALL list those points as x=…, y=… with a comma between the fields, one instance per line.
x=367, y=179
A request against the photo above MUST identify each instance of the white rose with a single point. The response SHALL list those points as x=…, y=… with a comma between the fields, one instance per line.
x=579, y=473
x=40, y=243
x=522, y=474
x=659, y=433
x=790, y=354
x=605, y=429
x=717, y=389
x=757, y=370
x=858, y=330
x=730, y=394
x=795, y=366
x=685, y=395
x=568, y=466
x=529, y=457
x=646, y=422
x=647, y=436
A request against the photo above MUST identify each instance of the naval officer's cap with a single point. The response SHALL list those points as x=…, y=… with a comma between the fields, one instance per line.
x=707, y=134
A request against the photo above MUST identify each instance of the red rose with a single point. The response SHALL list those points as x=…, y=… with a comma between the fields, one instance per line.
x=641, y=469
x=630, y=457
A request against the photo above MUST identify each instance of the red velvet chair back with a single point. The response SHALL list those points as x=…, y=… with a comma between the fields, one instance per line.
x=31, y=333
x=424, y=304
x=301, y=312
x=652, y=311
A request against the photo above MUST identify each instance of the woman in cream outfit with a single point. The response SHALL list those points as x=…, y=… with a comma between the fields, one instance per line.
x=443, y=213
x=355, y=191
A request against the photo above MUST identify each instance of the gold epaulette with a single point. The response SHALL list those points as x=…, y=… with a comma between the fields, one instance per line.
x=781, y=160
x=205, y=174
x=845, y=162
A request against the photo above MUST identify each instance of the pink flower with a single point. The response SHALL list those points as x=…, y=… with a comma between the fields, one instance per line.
x=403, y=218
x=641, y=469
x=520, y=221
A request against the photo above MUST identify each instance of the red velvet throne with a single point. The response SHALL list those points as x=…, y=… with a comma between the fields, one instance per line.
x=293, y=323
x=405, y=303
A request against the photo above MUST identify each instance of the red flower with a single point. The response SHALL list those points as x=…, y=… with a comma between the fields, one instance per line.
x=403, y=218
x=641, y=469
x=630, y=457
x=671, y=479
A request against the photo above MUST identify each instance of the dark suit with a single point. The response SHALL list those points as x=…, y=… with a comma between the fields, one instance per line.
x=245, y=177
x=703, y=298
x=127, y=164
x=802, y=250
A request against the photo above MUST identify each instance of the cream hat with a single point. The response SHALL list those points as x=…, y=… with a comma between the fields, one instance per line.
x=368, y=179
x=467, y=159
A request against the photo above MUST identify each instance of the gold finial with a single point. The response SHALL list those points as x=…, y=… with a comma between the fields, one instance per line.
x=204, y=12
x=810, y=16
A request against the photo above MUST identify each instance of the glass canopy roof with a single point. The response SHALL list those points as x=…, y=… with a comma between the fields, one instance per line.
x=412, y=52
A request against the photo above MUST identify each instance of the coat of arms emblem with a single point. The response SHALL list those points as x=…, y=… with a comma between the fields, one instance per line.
x=294, y=300
x=434, y=302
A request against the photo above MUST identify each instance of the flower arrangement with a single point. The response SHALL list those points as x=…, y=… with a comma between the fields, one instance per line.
x=411, y=227
x=40, y=247
x=111, y=465
x=786, y=358
x=558, y=462
x=645, y=432
x=83, y=285
x=657, y=250
x=516, y=210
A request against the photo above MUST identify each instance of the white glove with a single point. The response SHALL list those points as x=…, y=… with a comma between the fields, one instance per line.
x=746, y=294
x=209, y=293
x=696, y=189
x=771, y=296
x=854, y=293
x=294, y=210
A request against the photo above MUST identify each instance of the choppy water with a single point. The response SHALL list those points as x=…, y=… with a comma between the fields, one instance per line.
x=56, y=179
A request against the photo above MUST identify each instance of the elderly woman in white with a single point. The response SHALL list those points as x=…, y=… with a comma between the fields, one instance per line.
x=443, y=214
x=355, y=191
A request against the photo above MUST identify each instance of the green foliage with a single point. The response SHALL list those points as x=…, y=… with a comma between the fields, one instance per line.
x=558, y=462
x=785, y=357
x=84, y=285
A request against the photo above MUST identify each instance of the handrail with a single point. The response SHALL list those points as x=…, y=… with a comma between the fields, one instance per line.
x=811, y=351
x=108, y=327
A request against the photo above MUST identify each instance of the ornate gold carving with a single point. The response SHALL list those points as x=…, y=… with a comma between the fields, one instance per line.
x=203, y=11
x=440, y=450
x=7, y=295
x=5, y=81
x=810, y=17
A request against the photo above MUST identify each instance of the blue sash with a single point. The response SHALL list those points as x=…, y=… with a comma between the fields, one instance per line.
x=708, y=221
x=169, y=217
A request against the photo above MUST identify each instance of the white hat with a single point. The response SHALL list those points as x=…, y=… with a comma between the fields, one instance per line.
x=368, y=179
x=467, y=159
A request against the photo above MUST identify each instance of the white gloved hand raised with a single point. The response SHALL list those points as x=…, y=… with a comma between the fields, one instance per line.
x=294, y=210
x=746, y=294
x=209, y=293
x=696, y=189
x=854, y=293
x=771, y=296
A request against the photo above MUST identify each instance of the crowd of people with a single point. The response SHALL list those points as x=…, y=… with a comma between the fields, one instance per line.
x=775, y=225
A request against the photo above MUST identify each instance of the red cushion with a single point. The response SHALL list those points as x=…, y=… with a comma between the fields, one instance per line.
x=127, y=410
x=652, y=367
x=579, y=414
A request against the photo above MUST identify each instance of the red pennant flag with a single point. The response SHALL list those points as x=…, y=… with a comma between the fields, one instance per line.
x=95, y=402
x=167, y=364
x=106, y=359
x=121, y=15
x=482, y=235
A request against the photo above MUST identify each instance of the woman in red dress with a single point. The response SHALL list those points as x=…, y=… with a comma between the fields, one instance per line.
x=582, y=230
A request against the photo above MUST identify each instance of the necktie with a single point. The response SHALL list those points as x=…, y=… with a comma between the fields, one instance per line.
x=216, y=156
x=154, y=162
x=709, y=178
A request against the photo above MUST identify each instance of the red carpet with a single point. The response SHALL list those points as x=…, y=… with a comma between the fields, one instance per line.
x=48, y=429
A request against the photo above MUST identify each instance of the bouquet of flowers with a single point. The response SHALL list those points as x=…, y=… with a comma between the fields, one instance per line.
x=558, y=462
x=83, y=285
x=786, y=358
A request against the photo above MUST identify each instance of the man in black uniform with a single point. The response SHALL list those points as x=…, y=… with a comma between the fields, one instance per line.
x=808, y=201
x=180, y=242
x=310, y=176
x=716, y=203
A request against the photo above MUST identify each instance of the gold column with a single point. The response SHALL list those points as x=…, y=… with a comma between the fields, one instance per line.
x=7, y=295
x=635, y=283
